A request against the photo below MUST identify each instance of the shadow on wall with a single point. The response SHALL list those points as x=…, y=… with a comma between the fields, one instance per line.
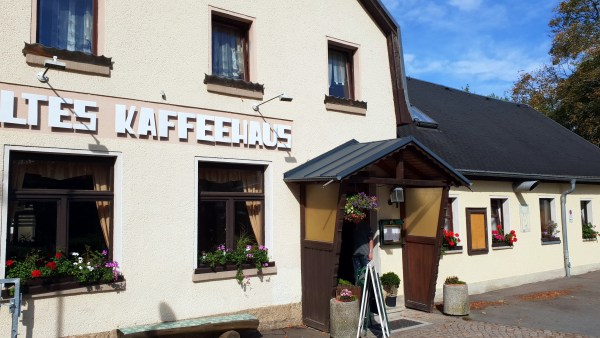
x=166, y=313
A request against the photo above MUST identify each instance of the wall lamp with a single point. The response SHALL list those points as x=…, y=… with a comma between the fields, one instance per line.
x=51, y=63
x=281, y=97
x=396, y=196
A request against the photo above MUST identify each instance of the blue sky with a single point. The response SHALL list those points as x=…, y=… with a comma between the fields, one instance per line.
x=482, y=43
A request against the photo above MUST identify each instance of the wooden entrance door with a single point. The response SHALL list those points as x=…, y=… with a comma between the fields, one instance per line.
x=423, y=224
x=319, y=222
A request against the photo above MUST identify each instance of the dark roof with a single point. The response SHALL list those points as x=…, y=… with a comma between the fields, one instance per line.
x=484, y=137
x=349, y=158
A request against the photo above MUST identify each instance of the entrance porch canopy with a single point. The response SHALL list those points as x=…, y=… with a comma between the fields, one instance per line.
x=407, y=166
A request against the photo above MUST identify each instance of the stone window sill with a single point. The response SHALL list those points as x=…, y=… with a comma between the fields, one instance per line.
x=453, y=252
x=345, y=105
x=548, y=241
x=206, y=276
x=233, y=87
x=36, y=54
x=590, y=239
x=502, y=247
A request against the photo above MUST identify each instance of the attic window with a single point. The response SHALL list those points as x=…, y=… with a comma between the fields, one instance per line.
x=421, y=119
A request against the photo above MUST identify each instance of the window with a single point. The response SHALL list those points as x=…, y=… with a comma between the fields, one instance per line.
x=450, y=223
x=499, y=215
x=230, y=48
x=231, y=204
x=341, y=73
x=586, y=212
x=477, y=231
x=59, y=202
x=67, y=24
x=548, y=225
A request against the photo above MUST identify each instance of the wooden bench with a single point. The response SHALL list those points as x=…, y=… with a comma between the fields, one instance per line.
x=217, y=325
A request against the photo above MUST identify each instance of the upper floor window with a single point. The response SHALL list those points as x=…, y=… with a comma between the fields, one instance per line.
x=230, y=48
x=67, y=24
x=341, y=75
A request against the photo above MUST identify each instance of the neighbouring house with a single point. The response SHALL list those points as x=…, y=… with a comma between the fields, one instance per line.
x=520, y=163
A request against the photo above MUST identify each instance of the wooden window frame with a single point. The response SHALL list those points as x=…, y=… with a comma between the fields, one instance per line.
x=244, y=29
x=63, y=196
x=470, y=250
x=230, y=198
x=349, y=66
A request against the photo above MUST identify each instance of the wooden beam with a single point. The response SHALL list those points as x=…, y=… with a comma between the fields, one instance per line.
x=402, y=182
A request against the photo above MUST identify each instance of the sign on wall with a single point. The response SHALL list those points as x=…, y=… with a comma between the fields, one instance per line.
x=524, y=216
x=38, y=109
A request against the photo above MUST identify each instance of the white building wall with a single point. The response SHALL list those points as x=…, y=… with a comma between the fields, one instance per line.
x=156, y=46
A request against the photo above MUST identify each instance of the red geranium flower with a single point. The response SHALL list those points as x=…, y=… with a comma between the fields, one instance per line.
x=36, y=273
x=10, y=262
x=51, y=265
x=512, y=232
x=451, y=243
x=58, y=255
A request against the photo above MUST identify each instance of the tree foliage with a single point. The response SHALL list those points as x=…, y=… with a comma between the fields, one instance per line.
x=568, y=89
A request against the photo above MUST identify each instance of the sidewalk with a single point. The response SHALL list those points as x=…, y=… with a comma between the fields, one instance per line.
x=564, y=307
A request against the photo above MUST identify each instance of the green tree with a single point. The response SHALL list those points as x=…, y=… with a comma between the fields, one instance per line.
x=568, y=89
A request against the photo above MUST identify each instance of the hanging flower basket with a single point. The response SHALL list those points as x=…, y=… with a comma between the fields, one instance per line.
x=357, y=206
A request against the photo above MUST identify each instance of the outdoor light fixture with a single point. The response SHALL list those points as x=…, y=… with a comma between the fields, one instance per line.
x=51, y=63
x=281, y=97
x=396, y=196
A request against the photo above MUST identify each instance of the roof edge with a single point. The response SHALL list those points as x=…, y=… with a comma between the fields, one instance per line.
x=528, y=176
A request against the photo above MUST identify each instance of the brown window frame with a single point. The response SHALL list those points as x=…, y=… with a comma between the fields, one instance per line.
x=244, y=29
x=349, y=67
x=449, y=224
x=230, y=198
x=62, y=196
x=94, y=27
x=471, y=251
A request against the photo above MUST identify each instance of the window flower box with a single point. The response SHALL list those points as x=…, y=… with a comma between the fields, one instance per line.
x=47, y=286
x=550, y=240
x=205, y=273
x=501, y=245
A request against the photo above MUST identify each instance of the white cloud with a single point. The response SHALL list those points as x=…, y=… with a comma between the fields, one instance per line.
x=465, y=5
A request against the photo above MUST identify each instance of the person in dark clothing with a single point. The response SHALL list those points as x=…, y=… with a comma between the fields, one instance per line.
x=363, y=246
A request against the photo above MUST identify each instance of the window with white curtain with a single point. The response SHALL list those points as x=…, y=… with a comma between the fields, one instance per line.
x=231, y=204
x=340, y=72
x=67, y=24
x=229, y=48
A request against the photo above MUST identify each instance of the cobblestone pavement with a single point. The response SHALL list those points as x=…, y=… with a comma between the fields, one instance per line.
x=445, y=326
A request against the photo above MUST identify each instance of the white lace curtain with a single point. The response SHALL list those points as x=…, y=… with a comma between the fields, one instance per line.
x=252, y=182
x=338, y=74
x=58, y=170
x=227, y=52
x=66, y=24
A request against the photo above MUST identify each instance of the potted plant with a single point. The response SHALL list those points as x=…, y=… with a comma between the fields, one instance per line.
x=501, y=239
x=456, y=297
x=357, y=206
x=549, y=232
x=390, y=282
x=344, y=312
x=589, y=232
x=450, y=241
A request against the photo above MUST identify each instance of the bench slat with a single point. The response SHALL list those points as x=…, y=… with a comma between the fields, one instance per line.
x=199, y=325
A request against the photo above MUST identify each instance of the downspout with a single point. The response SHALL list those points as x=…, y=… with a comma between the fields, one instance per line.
x=563, y=211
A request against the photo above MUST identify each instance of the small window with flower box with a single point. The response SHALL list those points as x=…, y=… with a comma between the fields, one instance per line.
x=231, y=232
x=589, y=232
x=502, y=235
x=549, y=227
x=451, y=239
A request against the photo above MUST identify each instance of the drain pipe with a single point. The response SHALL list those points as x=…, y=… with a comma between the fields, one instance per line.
x=563, y=211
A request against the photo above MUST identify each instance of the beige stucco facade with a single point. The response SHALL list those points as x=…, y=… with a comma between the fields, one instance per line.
x=160, y=46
